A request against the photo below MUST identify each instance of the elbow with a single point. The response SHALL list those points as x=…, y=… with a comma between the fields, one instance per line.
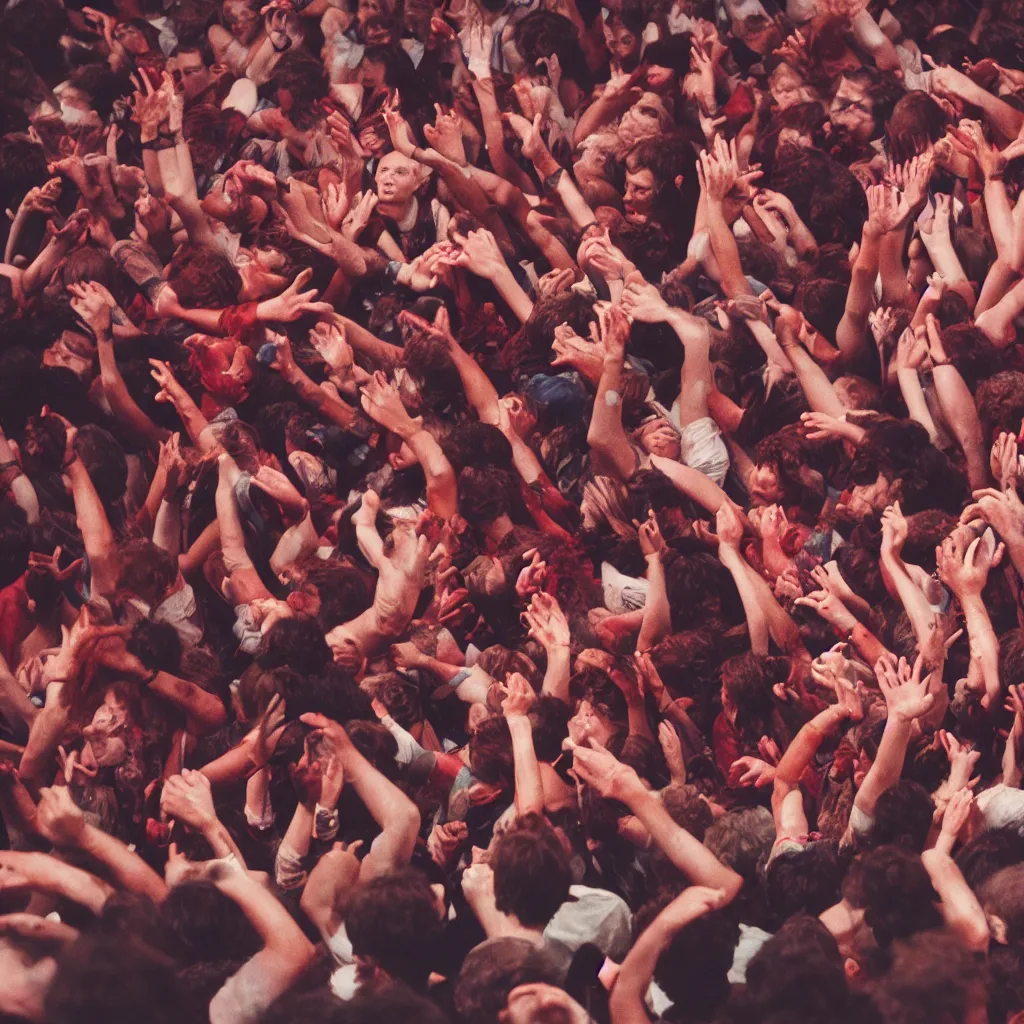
x=733, y=886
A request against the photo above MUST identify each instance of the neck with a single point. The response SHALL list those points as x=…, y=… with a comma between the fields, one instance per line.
x=404, y=216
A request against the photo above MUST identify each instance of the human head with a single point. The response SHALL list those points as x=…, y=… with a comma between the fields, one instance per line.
x=892, y=886
x=1002, y=897
x=117, y=981
x=145, y=571
x=242, y=19
x=933, y=976
x=492, y=970
x=191, y=66
x=531, y=872
x=804, y=880
x=394, y=924
x=398, y=179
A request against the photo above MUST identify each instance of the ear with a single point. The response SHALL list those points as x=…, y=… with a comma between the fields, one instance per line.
x=997, y=926
x=679, y=181
x=851, y=969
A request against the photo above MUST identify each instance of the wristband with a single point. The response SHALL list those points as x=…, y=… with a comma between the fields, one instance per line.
x=552, y=180
x=391, y=271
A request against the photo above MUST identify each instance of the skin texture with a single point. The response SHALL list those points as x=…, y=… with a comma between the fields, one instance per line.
x=526, y=438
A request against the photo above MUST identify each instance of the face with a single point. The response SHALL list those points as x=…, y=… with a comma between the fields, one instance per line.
x=853, y=110
x=131, y=39
x=621, y=42
x=241, y=20
x=764, y=485
x=660, y=80
x=105, y=734
x=589, y=722
x=191, y=74
x=371, y=74
x=639, y=197
x=397, y=180
x=223, y=199
x=750, y=22
x=787, y=87
x=659, y=438
x=367, y=9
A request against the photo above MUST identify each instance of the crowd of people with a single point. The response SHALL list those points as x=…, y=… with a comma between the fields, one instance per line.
x=512, y=512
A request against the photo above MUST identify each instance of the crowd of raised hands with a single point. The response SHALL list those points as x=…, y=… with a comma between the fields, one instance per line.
x=510, y=513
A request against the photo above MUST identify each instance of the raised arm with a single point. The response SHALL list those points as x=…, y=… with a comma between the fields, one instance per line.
x=393, y=811
x=529, y=795
x=906, y=697
x=606, y=435
x=63, y=824
x=615, y=781
x=627, y=1003
x=383, y=404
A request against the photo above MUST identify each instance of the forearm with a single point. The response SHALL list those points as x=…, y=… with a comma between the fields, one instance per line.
x=627, y=1002
x=14, y=235
x=294, y=848
x=657, y=613
x=442, y=492
x=996, y=322
x=220, y=840
x=494, y=135
x=328, y=405
x=886, y=769
x=999, y=216
x=984, y=645
x=687, y=854
x=42, y=268
x=757, y=621
x=727, y=253
x=557, y=674
x=947, y=263
x=917, y=406
x=606, y=434
x=393, y=811
x=97, y=535
x=128, y=869
x=382, y=353
x=38, y=764
x=923, y=619
x=765, y=337
x=480, y=392
x=959, y=906
x=801, y=751
x=167, y=527
x=272, y=922
x=693, y=483
x=960, y=412
x=813, y=380
x=204, y=710
x=529, y=795
x=860, y=300
x=510, y=290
